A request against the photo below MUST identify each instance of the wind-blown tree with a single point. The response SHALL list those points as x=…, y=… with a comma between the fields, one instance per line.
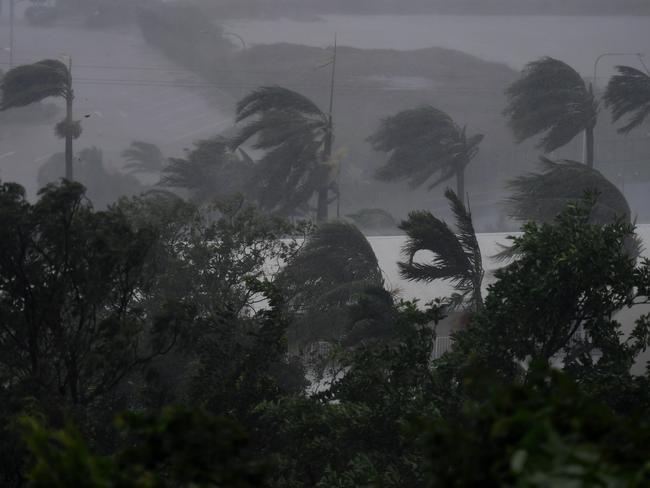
x=296, y=137
x=628, y=94
x=330, y=280
x=553, y=101
x=424, y=142
x=212, y=170
x=32, y=83
x=143, y=157
x=541, y=196
x=457, y=256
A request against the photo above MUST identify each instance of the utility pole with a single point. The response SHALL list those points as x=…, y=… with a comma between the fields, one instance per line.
x=588, y=146
x=69, y=96
x=323, y=192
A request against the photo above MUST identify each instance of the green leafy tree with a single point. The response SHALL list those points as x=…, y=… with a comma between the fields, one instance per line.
x=628, y=94
x=175, y=448
x=360, y=421
x=32, y=83
x=543, y=433
x=296, y=137
x=556, y=302
x=425, y=142
x=551, y=99
x=72, y=327
x=457, y=256
x=210, y=260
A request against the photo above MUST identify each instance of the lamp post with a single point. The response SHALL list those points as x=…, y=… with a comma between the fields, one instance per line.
x=601, y=56
x=594, y=84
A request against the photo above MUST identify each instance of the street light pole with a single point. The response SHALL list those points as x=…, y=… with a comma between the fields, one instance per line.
x=595, y=79
x=587, y=144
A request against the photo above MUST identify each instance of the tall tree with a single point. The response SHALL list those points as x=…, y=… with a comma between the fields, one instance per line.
x=330, y=280
x=32, y=83
x=628, y=94
x=457, y=256
x=541, y=196
x=297, y=138
x=552, y=99
x=424, y=142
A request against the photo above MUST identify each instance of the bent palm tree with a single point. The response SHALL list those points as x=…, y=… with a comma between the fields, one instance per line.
x=628, y=93
x=423, y=142
x=32, y=83
x=457, y=256
x=297, y=138
x=335, y=269
x=542, y=196
x=551, y=99
x=143, y=157
x=210, y=171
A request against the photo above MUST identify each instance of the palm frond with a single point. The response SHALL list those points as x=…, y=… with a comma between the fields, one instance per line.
x=456, y=255
x=292, y=131
x=210, y=171
x=422, y=142
x=542, y=195
x=628, y=94
x=31, y=83
x=552, y=100
x=271, y=98
x=335, y=254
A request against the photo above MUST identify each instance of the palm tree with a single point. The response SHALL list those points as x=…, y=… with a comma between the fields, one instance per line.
x=32, y=83
x=143, y=157
x=541, y=196
x=424, y=142
x=552, y=99
x=297, y=138
x=457, y=256
x=335, y=269
x=628, y=93
x=212, y=170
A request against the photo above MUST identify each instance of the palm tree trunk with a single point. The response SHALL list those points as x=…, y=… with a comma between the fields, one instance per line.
x=68, y=138
x=69, y=96
x=589, y=147
x=460, y=184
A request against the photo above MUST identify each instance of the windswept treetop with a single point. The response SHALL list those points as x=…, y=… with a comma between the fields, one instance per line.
x=423, y=142
x=628, y=93
x=457, y=255
x=542, y=196
x=32, y=83
x=552, y=99
x=296, y=137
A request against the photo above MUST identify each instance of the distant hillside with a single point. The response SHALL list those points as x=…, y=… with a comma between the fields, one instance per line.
x=269, y=8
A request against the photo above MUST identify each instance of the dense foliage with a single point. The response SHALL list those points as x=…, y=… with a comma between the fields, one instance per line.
x=175, y=320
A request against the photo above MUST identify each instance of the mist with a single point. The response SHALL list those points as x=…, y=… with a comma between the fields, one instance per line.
x=309, y=226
